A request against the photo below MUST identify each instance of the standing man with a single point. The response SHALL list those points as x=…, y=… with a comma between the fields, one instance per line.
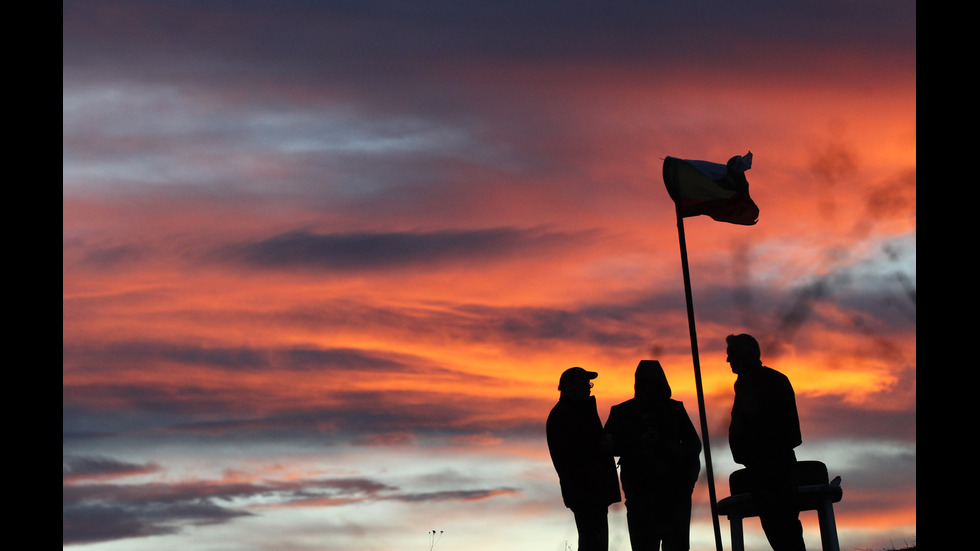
x=764, y=431
x=583, y=458
x=659, y=458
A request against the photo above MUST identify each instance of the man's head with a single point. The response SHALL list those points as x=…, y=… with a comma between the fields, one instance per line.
x=650, y=381
x=743, y=352
x=576, y=382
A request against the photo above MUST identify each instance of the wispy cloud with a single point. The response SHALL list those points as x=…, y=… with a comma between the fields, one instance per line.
x=94, y=512
x=392, y=251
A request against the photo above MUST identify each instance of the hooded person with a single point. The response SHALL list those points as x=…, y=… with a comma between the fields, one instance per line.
x=583, y=459
x=659, y=457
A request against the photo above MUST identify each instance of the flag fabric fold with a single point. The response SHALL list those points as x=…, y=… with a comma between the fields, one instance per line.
x=717, y=190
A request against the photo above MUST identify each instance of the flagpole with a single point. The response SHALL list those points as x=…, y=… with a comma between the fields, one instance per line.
x=697, y=378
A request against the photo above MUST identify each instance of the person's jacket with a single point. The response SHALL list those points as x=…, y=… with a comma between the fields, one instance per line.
x=659, y=449
x=765, y=424
x=585, y=466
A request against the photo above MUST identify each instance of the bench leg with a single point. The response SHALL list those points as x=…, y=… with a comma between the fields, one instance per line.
x=738, y=543
x=828, y=526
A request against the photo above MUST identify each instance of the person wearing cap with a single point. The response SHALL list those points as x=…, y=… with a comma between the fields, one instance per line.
x=659, y=459
x=764, y=431
x=583, y=459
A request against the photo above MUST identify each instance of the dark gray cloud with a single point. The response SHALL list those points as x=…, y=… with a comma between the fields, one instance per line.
x=237, y=358
x=104, y=512
x=154, y=352
x=830, y=415
x=393, y=250
x=353, y=417
x=464, y=495
x=76, y=468
x=113, y=257
x=83, y=523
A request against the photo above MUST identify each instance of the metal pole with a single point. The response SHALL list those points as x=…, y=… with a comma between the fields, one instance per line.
x=697, y=379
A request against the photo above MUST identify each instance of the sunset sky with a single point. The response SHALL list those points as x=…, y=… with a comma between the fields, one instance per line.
x=324, y=261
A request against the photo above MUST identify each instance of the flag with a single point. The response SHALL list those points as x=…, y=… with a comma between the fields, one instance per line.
x=720, y=191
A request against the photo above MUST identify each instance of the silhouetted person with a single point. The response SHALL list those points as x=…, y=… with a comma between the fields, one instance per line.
x=659, y=457
x=764, y=431
x=583, y=459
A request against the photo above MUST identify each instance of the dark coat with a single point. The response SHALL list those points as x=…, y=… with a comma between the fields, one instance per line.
x=765, y=424
x=586, y=468
x=660, y=467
